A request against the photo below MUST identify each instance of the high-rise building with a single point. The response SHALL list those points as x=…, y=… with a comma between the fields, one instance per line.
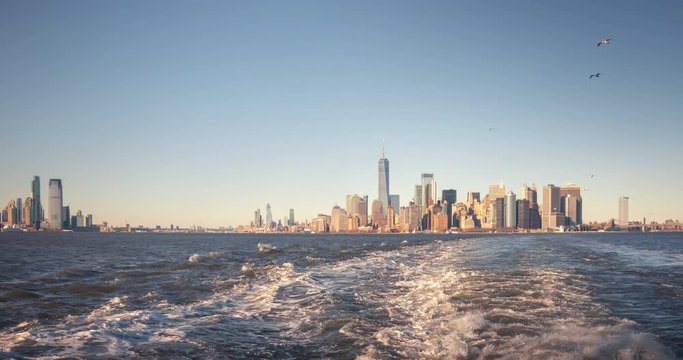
x=291, y=222
x=36, y=209
x=623, y=210
x=551, y=204
x=571, y=204
x=20, y=211
x=55, y=204
x=11, y=210
x=338, y=219
x=449, y=197
x=395, y=203
x=66, y=215
x=88, y=220
x=383, y=183
x=523, y=211
x=473, y=198
x=378, y=217
x=269, y=216
x=428, y=190
x=496, y=191
x=510, y=210
x=28, y=206
x=258, y=220
x=418, y=204
x=357, y=207
x=499, y=213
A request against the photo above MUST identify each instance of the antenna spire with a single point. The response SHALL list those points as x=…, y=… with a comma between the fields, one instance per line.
x=383, y=149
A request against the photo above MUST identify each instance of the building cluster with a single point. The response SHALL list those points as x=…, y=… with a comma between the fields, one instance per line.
x=29, y=214
x=497, y=210
x=431, y=211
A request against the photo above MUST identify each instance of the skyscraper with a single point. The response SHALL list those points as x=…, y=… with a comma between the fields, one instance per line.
x=378, y=217
x=523, y=221
x=395, y=203
x=623, y=210
x=496, y=191
x=510, y=210
x=571, y=204
x=269, y=216
x=450, y=197
x=55, y=204
x=36, y=209
x=551, y=204
x=428, y=190
x=258, y=220
x=418, y=205
x=383, y=183
x=20, y=211
x=357, y=207
x=291, y=222
x=66, y=216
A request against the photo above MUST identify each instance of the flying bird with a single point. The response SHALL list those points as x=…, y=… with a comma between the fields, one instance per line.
x=597, y=75
x=604, y=41
x=492, y=129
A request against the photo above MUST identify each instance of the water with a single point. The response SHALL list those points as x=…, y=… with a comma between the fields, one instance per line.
x=578, y=296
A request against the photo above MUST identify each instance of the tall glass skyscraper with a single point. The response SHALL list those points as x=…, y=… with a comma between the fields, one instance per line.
x=55, y=203
x=36, y=209
x=383, y=172
x=623, y=210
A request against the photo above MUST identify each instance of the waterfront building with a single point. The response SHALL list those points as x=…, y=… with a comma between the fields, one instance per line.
x=28, y=206
x=418, y=202
x=338, y=220
x=472, y=199
x=20, y=211
x=88, y=220
x=66, y=215
x=258, y=219
x=321, y=223
x=428, y=190
x=499, y=213
x=37, y=209
x=449, y=197
x=55, y=204
x=556, y=221
x=395, y=203
x=523, y=214
x=383, y=182
x=269, y=216
x=510, y=210
x=496, y=191
x=357, y=207
x=623, y=210
x=570, y=195
x=551, y=204
x=79, y=220
x=11, y=213
x=409, y=217
x=572, y=210
x=378, y=218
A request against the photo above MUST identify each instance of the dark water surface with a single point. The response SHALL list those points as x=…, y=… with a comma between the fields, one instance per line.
x=572, y=296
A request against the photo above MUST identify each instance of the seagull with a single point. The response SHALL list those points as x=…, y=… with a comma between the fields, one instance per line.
x=604, y=41
x=597, y=75
x=592, y=175
x=492, y=129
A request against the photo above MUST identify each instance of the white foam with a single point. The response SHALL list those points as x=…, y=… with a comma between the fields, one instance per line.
x=195, y=258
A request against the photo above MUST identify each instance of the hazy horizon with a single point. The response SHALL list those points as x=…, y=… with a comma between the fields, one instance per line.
x=163, y=112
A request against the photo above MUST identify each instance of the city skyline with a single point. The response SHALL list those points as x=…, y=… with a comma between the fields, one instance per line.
x=199, y=114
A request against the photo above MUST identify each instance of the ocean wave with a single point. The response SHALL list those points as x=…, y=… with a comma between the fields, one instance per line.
x=266, y=248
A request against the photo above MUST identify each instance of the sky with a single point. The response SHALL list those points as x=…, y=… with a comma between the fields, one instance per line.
x=181, y=112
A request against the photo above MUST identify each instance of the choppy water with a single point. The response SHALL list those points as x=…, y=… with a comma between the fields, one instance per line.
x=588, y=296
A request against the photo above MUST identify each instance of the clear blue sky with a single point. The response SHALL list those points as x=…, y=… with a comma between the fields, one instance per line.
x=159, y=112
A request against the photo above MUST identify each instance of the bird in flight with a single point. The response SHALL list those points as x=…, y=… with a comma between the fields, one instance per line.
x=604, y=41
x=492, y=129
x=596, y=75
